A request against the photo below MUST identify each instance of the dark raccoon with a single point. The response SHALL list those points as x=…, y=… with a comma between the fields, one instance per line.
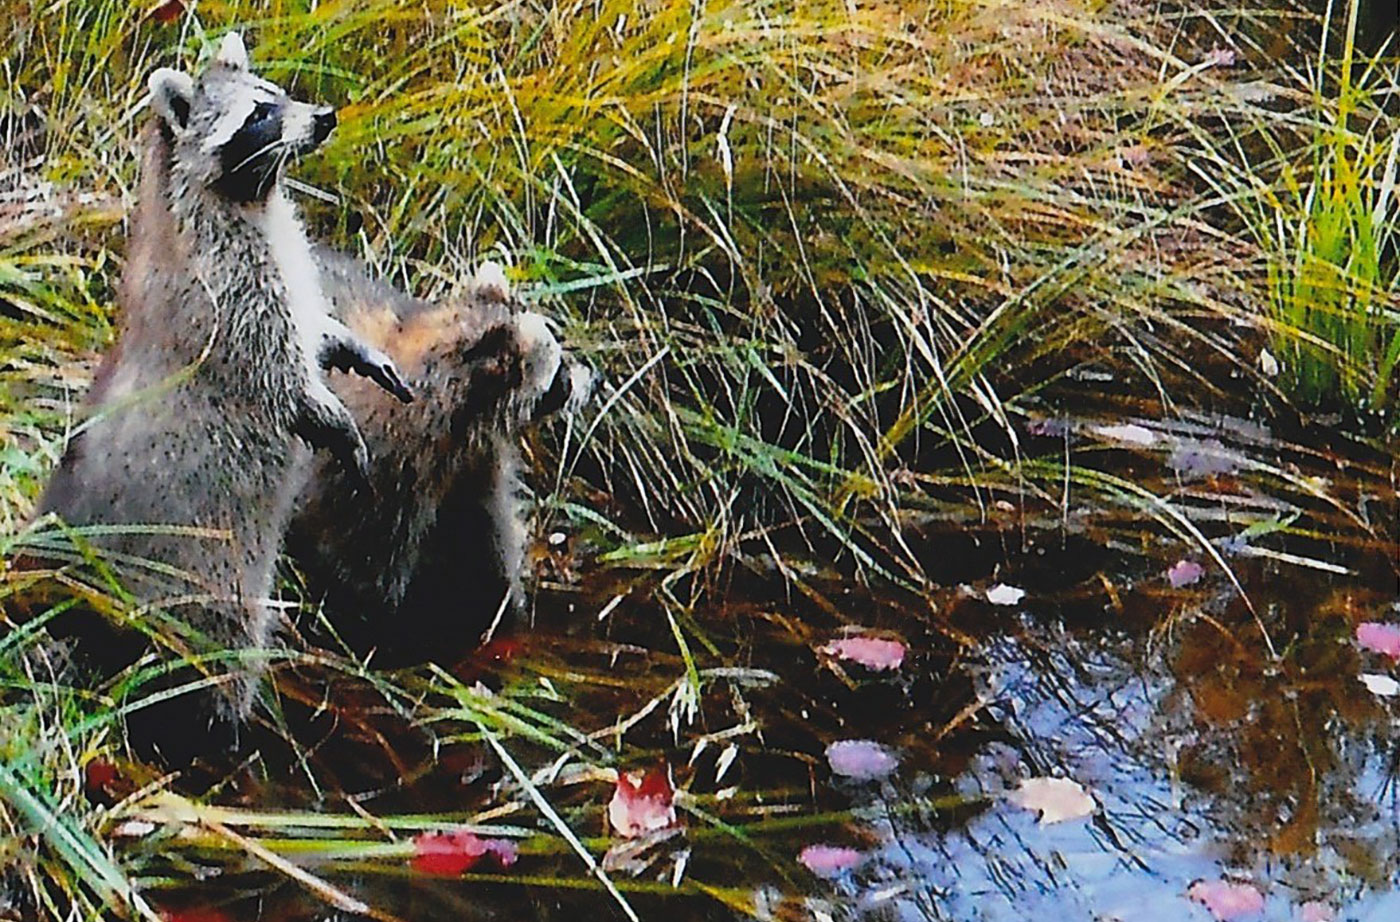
x=422, y=573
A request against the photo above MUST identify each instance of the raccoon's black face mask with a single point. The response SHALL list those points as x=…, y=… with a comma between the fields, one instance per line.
x=274, y=132
x=236, y=130
x=251, y=159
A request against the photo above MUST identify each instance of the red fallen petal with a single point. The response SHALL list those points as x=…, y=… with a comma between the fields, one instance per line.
x=196, y=914
x=1227, y=900
x=446, y=854
x=1379, y=638
x=829, y=860
x=643, y=802
x=654, y=782
x=873, y=653
x=1185, y=573
x=488, y=658
x=501, y=650
x=169, y=11
x=99, y=773
x=451, y=854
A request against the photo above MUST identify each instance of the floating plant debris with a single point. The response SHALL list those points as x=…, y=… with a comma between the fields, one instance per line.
x=1128, y=434
x=862, y=760
x=829, y=860
x=874, y=653
x=1382, y=686
x=1002, y=594
x=1227, y=900
x=1057, y=799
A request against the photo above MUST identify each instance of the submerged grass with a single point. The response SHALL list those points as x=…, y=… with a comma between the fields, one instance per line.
x=833, y=261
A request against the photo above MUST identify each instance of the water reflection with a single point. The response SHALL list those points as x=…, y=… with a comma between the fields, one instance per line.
x=1283, y=779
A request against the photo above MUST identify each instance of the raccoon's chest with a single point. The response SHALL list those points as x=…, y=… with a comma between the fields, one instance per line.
x=290, y=255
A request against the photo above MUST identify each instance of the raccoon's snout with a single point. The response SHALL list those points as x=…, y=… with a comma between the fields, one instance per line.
x=322, y=123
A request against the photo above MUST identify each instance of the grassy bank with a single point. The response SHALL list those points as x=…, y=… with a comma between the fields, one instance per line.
x=840, y=266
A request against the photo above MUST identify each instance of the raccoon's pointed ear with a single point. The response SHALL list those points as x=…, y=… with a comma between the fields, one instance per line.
x=232, y=52
x=171, y=92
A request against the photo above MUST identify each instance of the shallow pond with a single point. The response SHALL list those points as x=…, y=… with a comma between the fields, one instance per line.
x=1223, y=741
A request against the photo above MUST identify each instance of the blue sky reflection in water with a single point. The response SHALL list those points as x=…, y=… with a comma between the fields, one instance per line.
x=1083, y=711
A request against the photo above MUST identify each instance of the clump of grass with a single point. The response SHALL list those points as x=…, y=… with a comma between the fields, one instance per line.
x=809, y=248
x=1321, y=203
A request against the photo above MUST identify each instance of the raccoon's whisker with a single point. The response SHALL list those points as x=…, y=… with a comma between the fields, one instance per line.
x=267, y=148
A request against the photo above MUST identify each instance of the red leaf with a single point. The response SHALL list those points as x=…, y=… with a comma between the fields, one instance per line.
x=643, y=802
x=450, y=854
x=168, y=11
x=98, y=774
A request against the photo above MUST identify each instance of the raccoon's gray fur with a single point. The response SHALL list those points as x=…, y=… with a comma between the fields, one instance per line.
x=442, y=552
x=200, y=411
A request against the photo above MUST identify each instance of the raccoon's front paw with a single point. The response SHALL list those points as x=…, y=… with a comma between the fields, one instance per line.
x=347, y=352
x=325, y=423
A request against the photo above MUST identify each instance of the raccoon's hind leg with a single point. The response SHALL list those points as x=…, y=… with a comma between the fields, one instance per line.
x=324, y=422
x=342, y=350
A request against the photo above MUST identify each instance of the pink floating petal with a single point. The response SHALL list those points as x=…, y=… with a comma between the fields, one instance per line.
x=873, y=653
x=1379, y=638
x=643, y=802
x=1317, y=911
x=505, y=851
x=829, y=860
x=1185, y=573
x=450, y=854
x=1226, y=899
x=863, y=760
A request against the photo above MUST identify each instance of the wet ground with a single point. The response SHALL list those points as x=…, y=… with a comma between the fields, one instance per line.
x=1236, y=742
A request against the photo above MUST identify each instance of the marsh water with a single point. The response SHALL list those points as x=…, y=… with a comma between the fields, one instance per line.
x=1229, y=727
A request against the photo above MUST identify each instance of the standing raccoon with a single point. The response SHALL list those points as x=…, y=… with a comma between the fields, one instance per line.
x=422, y=573
x=200, y=411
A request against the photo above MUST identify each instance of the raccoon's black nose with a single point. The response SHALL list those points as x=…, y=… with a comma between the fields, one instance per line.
x=323, y=120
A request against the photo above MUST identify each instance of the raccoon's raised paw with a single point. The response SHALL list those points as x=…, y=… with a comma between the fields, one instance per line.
x=349, y=353
x=327, y=424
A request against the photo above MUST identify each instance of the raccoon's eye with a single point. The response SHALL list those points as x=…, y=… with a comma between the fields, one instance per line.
x=261, y=113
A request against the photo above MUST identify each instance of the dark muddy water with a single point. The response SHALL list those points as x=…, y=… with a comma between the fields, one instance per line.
x=1240, y=757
